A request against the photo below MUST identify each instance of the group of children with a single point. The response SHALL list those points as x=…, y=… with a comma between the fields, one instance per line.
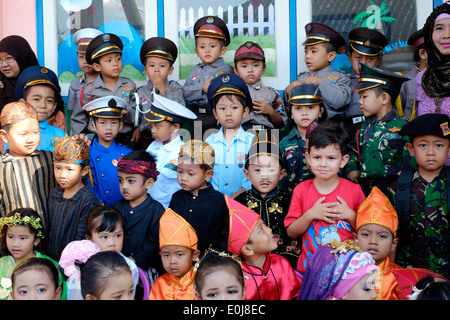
x=233, y=213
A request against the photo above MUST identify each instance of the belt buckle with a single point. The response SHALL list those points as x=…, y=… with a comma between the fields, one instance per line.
x=201, y=110
x=358, y=119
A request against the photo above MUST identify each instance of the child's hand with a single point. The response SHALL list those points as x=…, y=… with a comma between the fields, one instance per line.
x=328, y=212
x=206, y=84
x=314, y=79
x=158, y=82
x=136, y=134
x=353, y=175
x=262, y=107
x=346, y=212
x=289, y=87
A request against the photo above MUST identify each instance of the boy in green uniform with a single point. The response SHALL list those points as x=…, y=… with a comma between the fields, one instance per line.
x=421, y=196
x=378, y=150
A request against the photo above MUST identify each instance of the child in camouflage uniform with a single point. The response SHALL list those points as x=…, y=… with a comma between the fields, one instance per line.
x=378, y=150
x=420, y=196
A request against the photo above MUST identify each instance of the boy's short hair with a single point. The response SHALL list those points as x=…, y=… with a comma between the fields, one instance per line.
x=328, y=133
x=230, y=84
x=202, y=153
x=436, y=124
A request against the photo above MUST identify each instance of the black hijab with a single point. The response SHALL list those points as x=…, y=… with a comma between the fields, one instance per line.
x=20, y=49
x=436, y=79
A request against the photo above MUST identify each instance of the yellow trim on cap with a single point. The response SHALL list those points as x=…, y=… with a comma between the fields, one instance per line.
x=363, y=43
x=320, y=40
x=149, y=54
x=98, y=53
x=94, y=112
x=372, y=80
x=160, y=116
x=229, y=90
x=211, y=31
x=39, y=81
x=306, y=96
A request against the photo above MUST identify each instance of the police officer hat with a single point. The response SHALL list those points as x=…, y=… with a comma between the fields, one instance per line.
x=169, y=110
x=82, y=37
x=367, y=41
x=374, y=77
x=159, y=47
x=36, y=75
x=264, y=143
x=435, y=124
x=228, y=84
x=106, y=107
x=103, y=44
x=305, y=94
x=249, y=50
x=416, y=39
x=317, y=32
x=212, y=27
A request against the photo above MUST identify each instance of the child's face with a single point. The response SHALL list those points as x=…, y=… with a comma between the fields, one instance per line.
x=440, y=36
x=69, y=176
x=156, y=67
x=317, y=57
x=110, y=65
x=107, y=240
x=9, y=69
x=250, y=70
x=262, y=240
x=229, y=111
x=376, y=240
x=265, y=173
x=20, y=242
x=106, y=129
x=84, y=66
x=42, y=98
x=221, y=284
x=133, y=186
x=190, y=176
x=162, y=131
x=119, y=286
x=364, y=289
x=430, y=152
x=23, y=137
x=326, y=162
x=356, y=57
x=371, y=104
x=209, y=49
x=177, y=260
x=303, y=116
x=35, y=284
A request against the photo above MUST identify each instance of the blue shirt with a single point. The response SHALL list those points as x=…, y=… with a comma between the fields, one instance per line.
x=228, y=174
x=103, y=162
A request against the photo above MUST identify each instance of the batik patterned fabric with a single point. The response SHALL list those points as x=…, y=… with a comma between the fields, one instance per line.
x=200, y=152
x=71, y=150
x=15, y=112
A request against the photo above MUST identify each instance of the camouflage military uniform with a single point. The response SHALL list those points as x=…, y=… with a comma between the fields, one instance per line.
x=292, y=149
x=273, y=209
x=378, y=151
x=424, y=241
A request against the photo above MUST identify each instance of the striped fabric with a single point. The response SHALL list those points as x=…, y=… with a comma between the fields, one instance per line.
x=68, y=218
x=26, y=182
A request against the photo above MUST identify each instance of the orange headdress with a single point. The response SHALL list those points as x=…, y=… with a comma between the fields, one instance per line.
x=174, y=230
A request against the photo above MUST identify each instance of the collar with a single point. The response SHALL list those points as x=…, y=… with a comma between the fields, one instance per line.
x=155, y=146
x=59, y=192
x=6, y=157
x=43, y=125
x=271, y=194
x=215, y=64
x=294, y=134
x=186, y=279
x=256, y=271
x=99, y=147
x=387, y=117
x=257, y=85
x=240, y=135
x=441, y=176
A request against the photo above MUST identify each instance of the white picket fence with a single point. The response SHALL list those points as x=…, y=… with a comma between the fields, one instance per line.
x=188, y=18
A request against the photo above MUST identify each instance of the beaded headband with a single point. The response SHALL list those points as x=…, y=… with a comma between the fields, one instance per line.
x=17, y=220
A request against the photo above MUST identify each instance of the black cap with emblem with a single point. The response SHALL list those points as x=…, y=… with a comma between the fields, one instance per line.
x=229, y=84
x=101, y=45
x=366, y=41
x=317, y=32
x=159, y=47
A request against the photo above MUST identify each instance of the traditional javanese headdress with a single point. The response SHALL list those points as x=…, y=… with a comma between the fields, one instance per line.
x=174, y=230
x=71, y=150
x=333, y=270
x=198, y=151
x=146, y=168
x=242, y=222
x=15, y=112
x=18, y=220
x=377, y=209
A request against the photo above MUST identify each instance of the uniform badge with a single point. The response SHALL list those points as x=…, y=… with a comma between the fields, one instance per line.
x=367, y=43
x=445, y=128
x=225, y=79
x=308, y=27
x=126, y=91
x=249, y=44
x=394, y=129
x=210, y=20
x=172, y=165
x=241, y=159
x=114, y=162
x=44, y=70
x=106, y=38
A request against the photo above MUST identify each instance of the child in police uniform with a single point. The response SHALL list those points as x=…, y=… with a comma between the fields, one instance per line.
x=39, y=87
x=376, y=233
x=104, y=53
x=158, y=56
x=166, y=117
x=366, y=46
x=420, y=196
x=106, y=116
x=321, y=46
x=71, y=201
x=81, y=39
x=211, y=40
x=231, y=102
x=265, y=168
x=378, y=151
x=268, y=111
x=26, y=174
x=178, y=251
